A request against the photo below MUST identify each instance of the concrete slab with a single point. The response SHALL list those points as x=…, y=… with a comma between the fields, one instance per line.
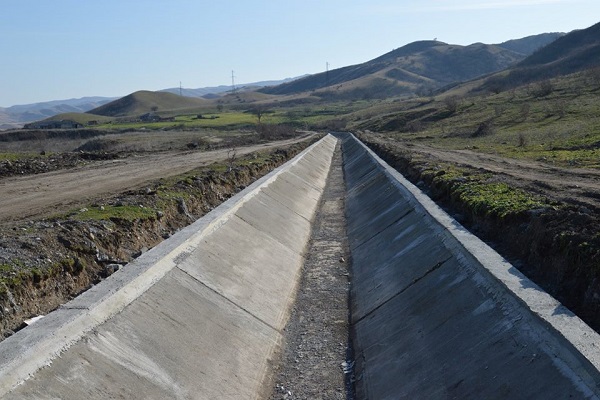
x=374, y=206
x=250, y=268
x=391, y=261
x=295, y=193
x=138, y=354
x=447, y=339
x=280, y=222
x=436, y=313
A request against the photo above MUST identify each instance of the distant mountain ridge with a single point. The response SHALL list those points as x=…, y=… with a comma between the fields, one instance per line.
x=530, y=44
x=417, y=67
x=17, y=116
x=578, y=49
x=424, y=64
x=573, y=52
x=208, y=92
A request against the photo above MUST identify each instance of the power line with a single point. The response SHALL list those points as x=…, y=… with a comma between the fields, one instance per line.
x=232, y=82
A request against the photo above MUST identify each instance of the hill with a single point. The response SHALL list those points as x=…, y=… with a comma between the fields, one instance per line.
x=214, y=91
x=574, y=52
x=16, y=116
x=81, y=118
x=145, y=101
x=579, y=49
x=416, y=67
x=530, y=44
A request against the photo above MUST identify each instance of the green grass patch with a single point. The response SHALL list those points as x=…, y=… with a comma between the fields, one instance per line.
x=125, y=212
x=16, y=275
x=497, y=199
x=483, y=196
x=188, y=121
x=12, y=276
x=169, y=194
x=230, y=119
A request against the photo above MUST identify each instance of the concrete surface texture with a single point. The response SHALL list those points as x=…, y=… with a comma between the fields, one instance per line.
x=436, y=314
x=198, y=317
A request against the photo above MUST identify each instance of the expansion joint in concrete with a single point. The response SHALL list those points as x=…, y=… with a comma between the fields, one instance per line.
x=384, y=228
x=286, y=206
x=414, y=281
x=229, y=300
x=68, y=307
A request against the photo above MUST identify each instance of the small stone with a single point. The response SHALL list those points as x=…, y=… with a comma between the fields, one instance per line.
x=584, y=210
x=111, y=269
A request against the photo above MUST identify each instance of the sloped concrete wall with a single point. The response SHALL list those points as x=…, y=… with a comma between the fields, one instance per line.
x=198, y=317
x=437, y=314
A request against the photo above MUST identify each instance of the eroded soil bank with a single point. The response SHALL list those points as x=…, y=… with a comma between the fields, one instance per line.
x=542, y=227
x=44, y=263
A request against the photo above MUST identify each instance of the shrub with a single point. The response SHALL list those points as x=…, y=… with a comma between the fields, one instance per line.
x=524, y=111
x=542, y=89
x=274, y=131
x=452, y=103
x=484, y=128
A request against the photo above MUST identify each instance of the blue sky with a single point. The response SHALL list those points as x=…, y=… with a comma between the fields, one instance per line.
x=63, y=49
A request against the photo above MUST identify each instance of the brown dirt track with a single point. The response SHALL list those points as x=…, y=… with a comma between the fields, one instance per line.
x=569, y=185
x=41, y=195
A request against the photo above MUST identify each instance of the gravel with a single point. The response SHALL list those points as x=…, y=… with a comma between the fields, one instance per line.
x=316, y=360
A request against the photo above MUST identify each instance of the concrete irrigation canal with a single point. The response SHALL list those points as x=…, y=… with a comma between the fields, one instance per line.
x=434, y=312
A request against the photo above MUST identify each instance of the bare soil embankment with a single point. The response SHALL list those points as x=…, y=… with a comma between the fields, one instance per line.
x=556, y=245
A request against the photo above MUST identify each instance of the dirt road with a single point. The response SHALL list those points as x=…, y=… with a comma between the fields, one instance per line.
x=569, y=185
x=35, y=196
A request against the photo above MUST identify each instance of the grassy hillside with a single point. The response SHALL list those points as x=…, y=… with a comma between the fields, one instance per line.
x=145, y=101
x=576, y=51
x=530, y=44
x=557, y=121
x=417, y=66
x=82, y=118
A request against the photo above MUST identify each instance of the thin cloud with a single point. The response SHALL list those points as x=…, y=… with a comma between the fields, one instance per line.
x=490, y=5
x=444, y=6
